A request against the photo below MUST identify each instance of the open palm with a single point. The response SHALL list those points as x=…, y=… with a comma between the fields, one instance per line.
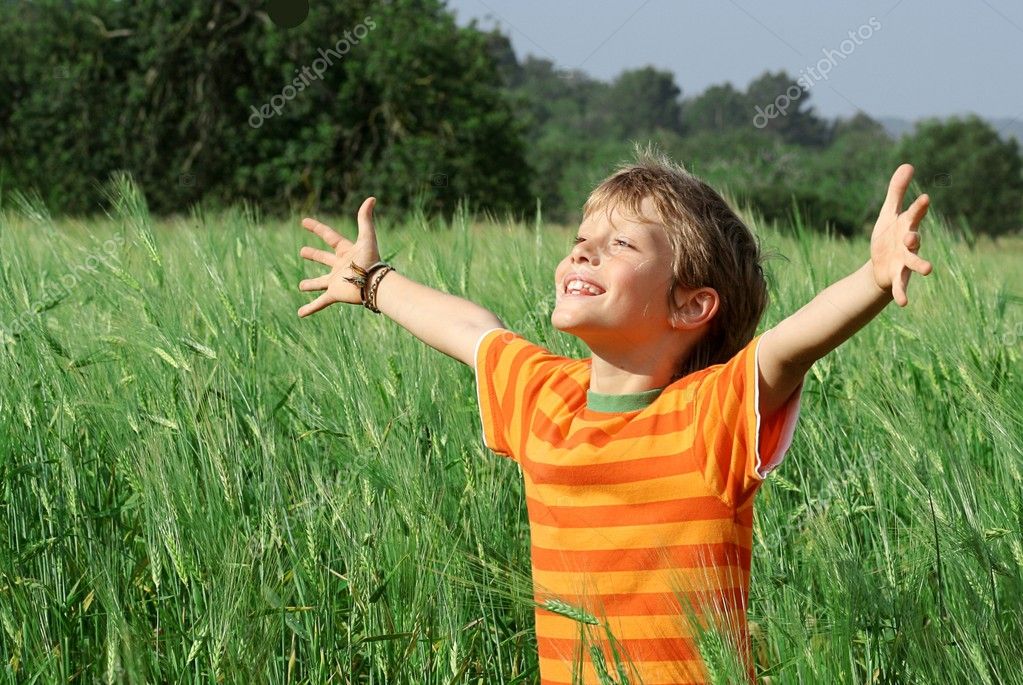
x=895, y=239
x=363, y=252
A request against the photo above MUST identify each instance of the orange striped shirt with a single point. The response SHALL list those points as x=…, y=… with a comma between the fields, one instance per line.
x=642, y=517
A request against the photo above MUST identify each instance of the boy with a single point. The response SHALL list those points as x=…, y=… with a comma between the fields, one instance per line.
x=640, y=463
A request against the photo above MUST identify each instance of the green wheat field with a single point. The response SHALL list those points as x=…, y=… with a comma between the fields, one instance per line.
x=199, y=486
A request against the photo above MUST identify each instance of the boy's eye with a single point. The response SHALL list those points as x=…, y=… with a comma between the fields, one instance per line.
x=617, y=240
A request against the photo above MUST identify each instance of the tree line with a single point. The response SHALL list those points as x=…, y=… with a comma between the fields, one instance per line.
x=214, y=103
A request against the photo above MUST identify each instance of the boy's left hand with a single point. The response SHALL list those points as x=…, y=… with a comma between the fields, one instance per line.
x=895, y=240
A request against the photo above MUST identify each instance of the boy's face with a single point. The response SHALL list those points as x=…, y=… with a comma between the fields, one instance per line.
x=630, y=263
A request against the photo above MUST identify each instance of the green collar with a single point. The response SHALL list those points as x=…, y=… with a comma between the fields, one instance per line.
x=598, y=401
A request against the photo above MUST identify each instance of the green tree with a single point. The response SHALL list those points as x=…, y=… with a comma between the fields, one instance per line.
x=563, y=113
x=719, y=108
x=784, y=107
x=641, y=101
x=213, y=102
x=852, y=173
x=971, y=174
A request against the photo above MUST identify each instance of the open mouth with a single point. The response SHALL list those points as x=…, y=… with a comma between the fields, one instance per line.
x=577, y=287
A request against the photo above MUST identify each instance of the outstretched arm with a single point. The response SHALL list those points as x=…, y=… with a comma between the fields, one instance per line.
x=447, y=323
x=788, y=350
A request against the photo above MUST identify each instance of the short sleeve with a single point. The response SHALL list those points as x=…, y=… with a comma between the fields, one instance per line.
x=510, y=373
x=738, y=446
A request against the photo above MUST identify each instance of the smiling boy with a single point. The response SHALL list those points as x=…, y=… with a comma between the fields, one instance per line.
x=640, y=463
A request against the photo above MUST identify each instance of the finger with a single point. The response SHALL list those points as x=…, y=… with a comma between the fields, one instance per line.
x=897, y=189
x=899, y=284
x=912, y=240
x=917, y=264
x=329, y=235
x=321, y=256
x=315, y=306
x=367, y=232
x=918, y=210
x=320, y=283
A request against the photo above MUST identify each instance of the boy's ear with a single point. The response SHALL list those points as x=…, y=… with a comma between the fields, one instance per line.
x=693, y=307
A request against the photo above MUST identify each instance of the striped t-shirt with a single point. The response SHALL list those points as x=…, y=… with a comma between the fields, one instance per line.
x=640, y=506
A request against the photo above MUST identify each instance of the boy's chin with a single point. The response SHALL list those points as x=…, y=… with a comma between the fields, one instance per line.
x=560, y=324
x=584, y=332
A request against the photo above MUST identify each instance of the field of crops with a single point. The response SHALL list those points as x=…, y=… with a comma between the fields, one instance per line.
x=198, y=486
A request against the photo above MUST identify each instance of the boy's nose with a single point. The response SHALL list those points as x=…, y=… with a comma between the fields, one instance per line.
x=582, y=251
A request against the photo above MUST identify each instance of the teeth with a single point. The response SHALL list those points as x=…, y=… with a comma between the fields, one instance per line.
x=576, y=286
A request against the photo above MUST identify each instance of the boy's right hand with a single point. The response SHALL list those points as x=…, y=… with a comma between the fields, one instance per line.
x=363, y=252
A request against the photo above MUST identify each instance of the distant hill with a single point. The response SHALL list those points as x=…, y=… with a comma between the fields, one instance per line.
x=897, y=127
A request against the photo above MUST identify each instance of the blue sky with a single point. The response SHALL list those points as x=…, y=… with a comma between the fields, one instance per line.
x=912, y=58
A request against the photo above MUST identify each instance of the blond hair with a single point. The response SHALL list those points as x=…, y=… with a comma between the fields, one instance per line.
x=711, y=247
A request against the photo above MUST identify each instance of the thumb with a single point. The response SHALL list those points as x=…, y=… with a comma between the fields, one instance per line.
x=367, y=233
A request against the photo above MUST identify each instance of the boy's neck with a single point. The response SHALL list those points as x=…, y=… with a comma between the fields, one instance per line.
x=624, y=371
